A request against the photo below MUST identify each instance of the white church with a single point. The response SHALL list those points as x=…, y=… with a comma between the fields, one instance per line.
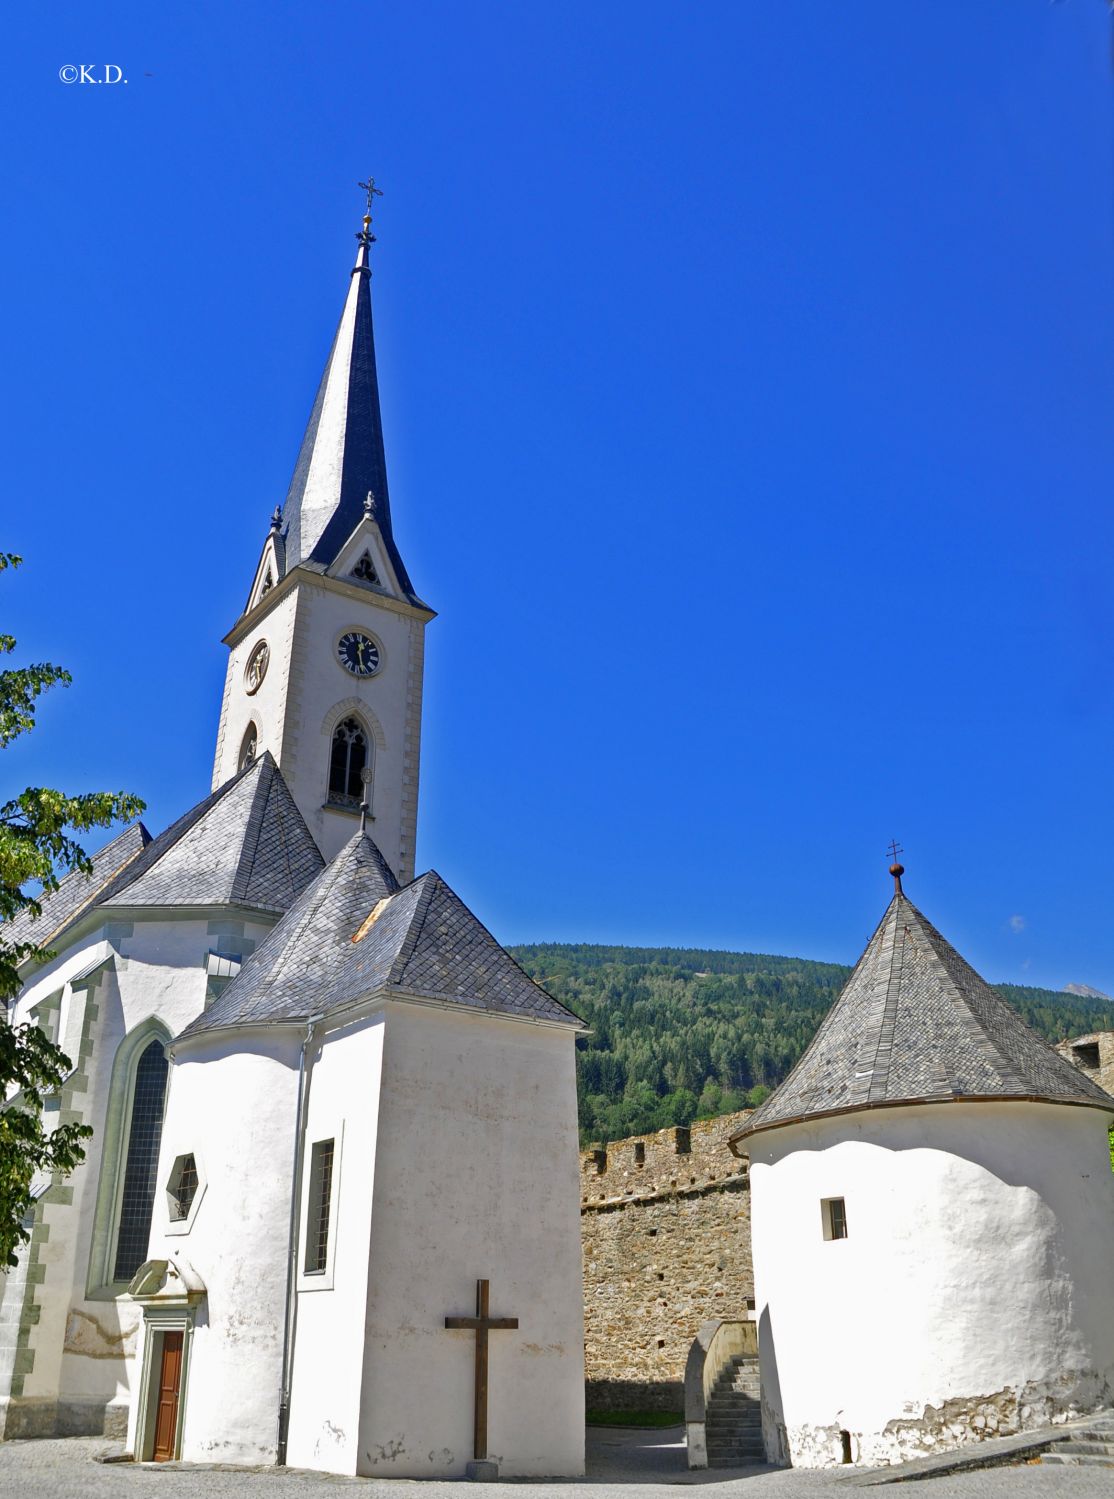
x=329, y=1215
x=330, y=1212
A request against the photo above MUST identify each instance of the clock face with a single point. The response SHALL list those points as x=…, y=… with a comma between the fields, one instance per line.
x=358, y=653
x=256, y=669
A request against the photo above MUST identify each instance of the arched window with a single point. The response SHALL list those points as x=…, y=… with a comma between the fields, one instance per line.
x=248, y=747
x=144, y=1134
x=348, y=761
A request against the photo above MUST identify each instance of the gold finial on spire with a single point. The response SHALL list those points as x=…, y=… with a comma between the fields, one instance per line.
x=896, y=869
x=365, y=235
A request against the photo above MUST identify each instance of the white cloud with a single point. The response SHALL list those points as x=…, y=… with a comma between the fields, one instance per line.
x=1017, y=923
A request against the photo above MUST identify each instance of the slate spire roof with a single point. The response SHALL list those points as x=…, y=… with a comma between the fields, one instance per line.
x=916, y=1024
x=342, y=456
x=355, y=934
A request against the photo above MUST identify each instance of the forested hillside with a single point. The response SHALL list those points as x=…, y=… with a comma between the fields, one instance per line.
x=680, y=1034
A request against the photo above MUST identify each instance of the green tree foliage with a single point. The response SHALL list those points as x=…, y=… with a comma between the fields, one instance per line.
x=37, y=849
x=679, y=1034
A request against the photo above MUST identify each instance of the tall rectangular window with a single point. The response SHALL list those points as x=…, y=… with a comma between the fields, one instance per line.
x=320, y=1196
x=833, y=1213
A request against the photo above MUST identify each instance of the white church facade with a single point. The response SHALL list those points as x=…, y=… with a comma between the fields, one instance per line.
x=312, y=1225
x=932, y=1214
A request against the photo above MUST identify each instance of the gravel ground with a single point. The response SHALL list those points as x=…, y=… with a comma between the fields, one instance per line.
x=651, y=1461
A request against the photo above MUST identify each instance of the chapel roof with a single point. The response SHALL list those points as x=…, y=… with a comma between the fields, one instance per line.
x=78, y=891
x=246, y=844
x=916, y=1024
x=342, y=458
x=356, y=934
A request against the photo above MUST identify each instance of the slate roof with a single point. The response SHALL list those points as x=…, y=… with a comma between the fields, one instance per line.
x=77, y=892
x=246, y=844
x=355, y=934
x=916, y=1024
x=342, y=455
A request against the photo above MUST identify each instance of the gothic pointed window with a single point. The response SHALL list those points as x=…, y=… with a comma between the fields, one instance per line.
x=141, y=1162
x=249, y=747
x=365, y=570
x=347, y=763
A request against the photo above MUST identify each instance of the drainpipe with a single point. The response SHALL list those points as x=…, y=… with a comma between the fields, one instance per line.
x=292, y=1243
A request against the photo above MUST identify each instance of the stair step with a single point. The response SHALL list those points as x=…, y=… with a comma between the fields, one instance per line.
x=1076, y=1447
x=1084, y=1460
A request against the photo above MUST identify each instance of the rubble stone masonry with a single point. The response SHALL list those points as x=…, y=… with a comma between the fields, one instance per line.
x=1093, y=1055
x=665, y=1222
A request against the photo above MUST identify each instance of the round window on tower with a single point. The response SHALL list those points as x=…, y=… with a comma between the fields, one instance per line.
x=256, y=669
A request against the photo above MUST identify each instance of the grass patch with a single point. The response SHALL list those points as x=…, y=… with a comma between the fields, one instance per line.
x=634, y=1418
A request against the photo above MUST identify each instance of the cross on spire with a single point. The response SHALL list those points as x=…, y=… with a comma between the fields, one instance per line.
x=365, y=235
x=897, y=869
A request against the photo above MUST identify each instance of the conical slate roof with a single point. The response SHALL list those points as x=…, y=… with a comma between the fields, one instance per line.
x=355, y=934
x=916, y=1024
x=342, y=457
x=245, y=844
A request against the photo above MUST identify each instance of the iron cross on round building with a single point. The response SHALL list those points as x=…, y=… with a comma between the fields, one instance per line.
x=482, y=1323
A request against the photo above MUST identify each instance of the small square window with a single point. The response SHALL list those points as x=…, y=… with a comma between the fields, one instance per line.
x=833, y=1213
x=1087, y=1055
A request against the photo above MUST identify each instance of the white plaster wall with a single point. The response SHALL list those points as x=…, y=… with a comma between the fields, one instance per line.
x=85, y=1346
x=304, y=683
x=476, y=1176
x=343, y=1106
x=235, y=1109
x=267, y=706
x=971, y=1296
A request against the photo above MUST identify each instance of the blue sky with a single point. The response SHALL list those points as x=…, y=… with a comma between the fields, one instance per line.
x=747, y=375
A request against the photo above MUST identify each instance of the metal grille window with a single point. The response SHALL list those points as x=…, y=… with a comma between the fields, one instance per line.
x=320, y=1195
x=144, y=1135
x=347, y=763
x=183, y=1186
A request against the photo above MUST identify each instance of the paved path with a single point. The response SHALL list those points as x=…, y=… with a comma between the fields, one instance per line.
x=650, y=1462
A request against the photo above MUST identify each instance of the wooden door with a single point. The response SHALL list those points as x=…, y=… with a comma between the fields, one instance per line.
x=166, y=1410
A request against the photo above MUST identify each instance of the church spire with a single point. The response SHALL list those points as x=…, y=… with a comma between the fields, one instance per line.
x=342, y=459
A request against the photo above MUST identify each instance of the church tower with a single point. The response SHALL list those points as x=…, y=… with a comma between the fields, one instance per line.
x=325, y=663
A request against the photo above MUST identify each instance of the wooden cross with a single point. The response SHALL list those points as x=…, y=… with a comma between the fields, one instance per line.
x=482, y=1323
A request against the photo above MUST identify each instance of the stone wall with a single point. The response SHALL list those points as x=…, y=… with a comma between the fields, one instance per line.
x=1093, y=1055
x=665, y=1224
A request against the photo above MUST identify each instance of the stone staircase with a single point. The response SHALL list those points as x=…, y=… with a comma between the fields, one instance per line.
x=733, y=1418
x=1090, y=1445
